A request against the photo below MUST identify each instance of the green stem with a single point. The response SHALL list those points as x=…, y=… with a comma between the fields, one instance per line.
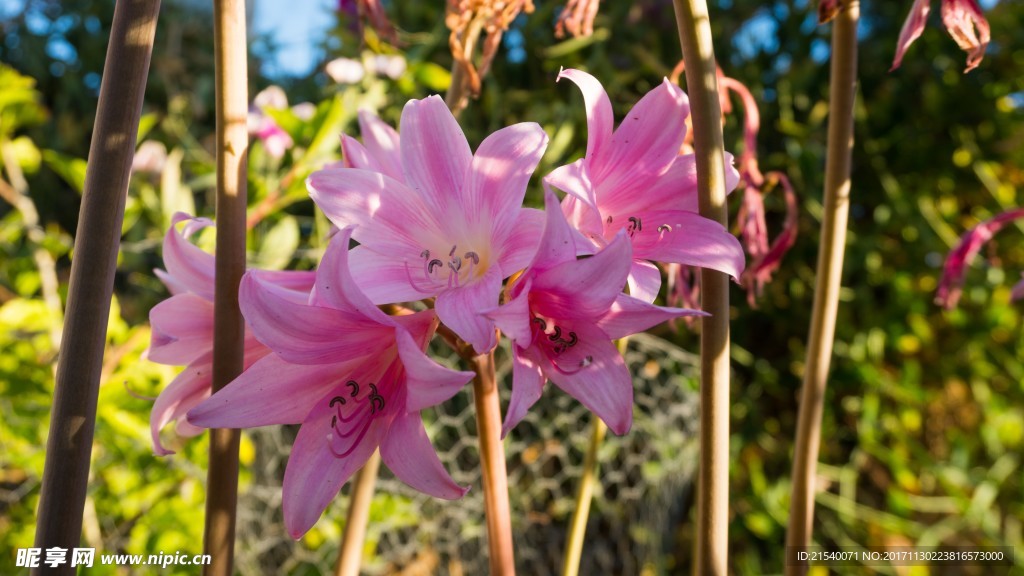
x=351, y=554
x=232, y=104
x=713, y=482
x=829, y=274
x=584, y=497
x=76, y=392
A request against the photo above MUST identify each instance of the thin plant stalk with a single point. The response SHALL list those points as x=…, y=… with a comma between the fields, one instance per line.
x=585, y=493
x=231, y=82
x=492, y=460
x=73, y=416
x=713, y=480
x=842, y=91
x=351, y=554
x=584, y=497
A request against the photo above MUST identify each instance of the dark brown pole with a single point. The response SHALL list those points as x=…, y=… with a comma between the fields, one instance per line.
x=232, y=95
x=73, y=417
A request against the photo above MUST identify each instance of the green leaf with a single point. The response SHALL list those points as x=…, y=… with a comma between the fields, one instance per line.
x=146, y=123
x=432, y=76
x=175, y=196
x=26, y=154
x=279, y=245
x=70, y=169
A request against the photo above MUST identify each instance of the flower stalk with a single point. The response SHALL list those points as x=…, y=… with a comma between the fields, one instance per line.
x=351, y=554
x=584, y=497
x=73, y=416
x=842, y=92
x=492, y=459
x=713, y=484
x=232, y=106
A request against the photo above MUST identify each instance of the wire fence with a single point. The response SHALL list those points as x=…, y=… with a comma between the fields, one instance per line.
x=644, y=484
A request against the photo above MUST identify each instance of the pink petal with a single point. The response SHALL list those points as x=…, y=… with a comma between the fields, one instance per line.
x=408, y=453
x=382, y=142
x=435, y=155
x=948, y=293
x=557, y=242
x=912, y=29
x=420, y=326
x=676, y=189
x=513, y=318
x=389, y=217
x=644, y=281
x=355, y=155
x=600, y=118
x=688, y=239
x=962, y=18
x=520, y=245
x=584, y=288
x=646, y=142
x=271, y=391
x=297, y=282
x=580, y=206
x=190, y=267
x=498, y=175
x=527, y=386
x=173, y=286
x=386, y=279
x=188, y=389
x=335, y=287
x=459, y=308
x=600, y=382
x=629, y=315
x=303, y=334
x=427, y=382
x=182, y=329
x=314, y=474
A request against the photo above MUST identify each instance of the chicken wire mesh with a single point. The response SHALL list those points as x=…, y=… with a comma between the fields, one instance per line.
x=644, y=482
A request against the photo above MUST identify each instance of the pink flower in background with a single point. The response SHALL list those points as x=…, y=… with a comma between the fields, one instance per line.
x=562, y=317
x=962, y=18
x=182, y=325
x=354, y=377
x=453, y=227
x=275, y=140
x=950, y=286
x=633, y=179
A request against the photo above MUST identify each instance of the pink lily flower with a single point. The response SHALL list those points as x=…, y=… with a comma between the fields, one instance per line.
x=962, y=18
x=182, y=326
x=951, y=283
x=380, y=150
x=633, y=179
x=354, y=377
x=562, y=316
x=453, y=228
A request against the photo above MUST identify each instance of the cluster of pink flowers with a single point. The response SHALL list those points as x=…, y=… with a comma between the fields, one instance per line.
x=439, y=224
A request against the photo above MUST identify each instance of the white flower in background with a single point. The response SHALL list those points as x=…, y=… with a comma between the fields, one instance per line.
x=345, y=70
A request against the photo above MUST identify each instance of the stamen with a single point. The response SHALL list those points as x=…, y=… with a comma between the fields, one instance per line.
x=556, y=335
x=634, y=226
x=425, y=254
x=609, y=220
x=435, y=263
x=408, y=276
x=355, y=387
x=472, y=256
x=664, y=228
x=452, y=253
x=336, y=400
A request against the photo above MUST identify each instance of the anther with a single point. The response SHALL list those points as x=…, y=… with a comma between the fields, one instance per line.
x=336, y=400
x=472, y=256
x=425, y=254
x=433, y=264
x=557, y=335
x=354, y=386
x=637, y=225
x=609, y=220
x=572, y=340
x=452, y=253
x=664, y=228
